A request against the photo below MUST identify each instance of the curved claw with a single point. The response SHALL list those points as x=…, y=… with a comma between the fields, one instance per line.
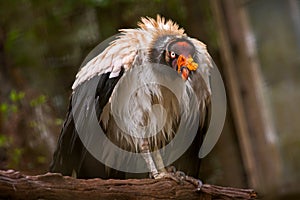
x=199, y=186
x=180, y=174
x=198, y=183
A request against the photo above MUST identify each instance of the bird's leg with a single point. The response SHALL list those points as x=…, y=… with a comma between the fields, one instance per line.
x=144, y=146
x=159, y=161
x=163, y=172
x=177, y=176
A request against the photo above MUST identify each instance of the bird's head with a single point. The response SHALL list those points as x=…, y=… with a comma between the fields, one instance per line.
x=176, y=52
x=169, y=45
x=179, y=55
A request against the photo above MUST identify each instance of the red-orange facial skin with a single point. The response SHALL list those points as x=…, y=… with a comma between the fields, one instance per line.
x=181, y=61
x=185, y=65
x=183, y=44
x=179, y=56
x=185, y=73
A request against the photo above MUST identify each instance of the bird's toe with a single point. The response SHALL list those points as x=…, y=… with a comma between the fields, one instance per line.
x=196, y=182
x=168, y=175
x=171, y=169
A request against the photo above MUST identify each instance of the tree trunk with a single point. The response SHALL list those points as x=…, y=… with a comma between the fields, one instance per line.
x=14, y=185
x=243, y=79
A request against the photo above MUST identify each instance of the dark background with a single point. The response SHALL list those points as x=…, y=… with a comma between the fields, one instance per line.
x=42, y=45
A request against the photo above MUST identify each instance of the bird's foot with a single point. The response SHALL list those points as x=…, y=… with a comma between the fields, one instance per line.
x=179, y=177
x=196, y=182
x=171, y=175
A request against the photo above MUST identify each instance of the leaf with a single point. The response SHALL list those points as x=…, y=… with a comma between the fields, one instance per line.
x=58, y=121
x=38, y=101
x=4, y=108
x=3, y=141
x=13, y=96
x=21, y=95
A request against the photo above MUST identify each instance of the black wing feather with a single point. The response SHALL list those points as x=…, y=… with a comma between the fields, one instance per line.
x=70, y=154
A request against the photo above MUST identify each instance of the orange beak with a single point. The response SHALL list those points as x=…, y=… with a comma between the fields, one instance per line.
x=185, y=65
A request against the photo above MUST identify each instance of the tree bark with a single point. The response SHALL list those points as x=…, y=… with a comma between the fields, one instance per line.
x=14, y=185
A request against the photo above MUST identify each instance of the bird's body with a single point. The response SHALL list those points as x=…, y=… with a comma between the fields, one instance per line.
x=158, y=42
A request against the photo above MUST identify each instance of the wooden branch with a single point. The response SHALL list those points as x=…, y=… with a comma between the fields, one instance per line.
x=14, y=185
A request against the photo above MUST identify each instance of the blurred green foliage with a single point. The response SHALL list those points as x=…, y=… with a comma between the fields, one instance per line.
x=16, y=96
x=9, y=112
x=13, y=153
x=41, y=99
x=11, y=107
x=15, y=158
x=5, y=141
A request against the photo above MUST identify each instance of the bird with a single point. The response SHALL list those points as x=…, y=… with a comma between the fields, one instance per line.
x=159, y=42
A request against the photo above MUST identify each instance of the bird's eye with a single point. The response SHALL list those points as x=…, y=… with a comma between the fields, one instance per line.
x=173, y=54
